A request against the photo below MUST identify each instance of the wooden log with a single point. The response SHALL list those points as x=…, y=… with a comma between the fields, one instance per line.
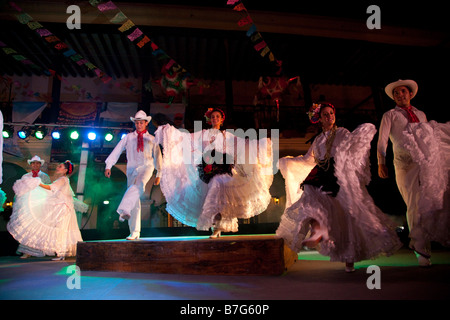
x=229, y=255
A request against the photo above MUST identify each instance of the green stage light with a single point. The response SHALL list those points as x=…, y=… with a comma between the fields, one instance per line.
x=40, y=132
x=109, y=136
x=74, y=135
x=7, y=132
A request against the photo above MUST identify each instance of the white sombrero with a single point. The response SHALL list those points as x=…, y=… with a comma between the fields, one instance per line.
x=407, y=83
x=141, y=115
x=36, y=159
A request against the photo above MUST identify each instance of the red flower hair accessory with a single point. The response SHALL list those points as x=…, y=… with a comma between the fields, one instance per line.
x=69, y=166
x=210, y=111
x=314, y=111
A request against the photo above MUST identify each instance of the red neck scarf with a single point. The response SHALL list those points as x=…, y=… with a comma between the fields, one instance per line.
x=35, y=173
x=140, y=141
x=410, y=113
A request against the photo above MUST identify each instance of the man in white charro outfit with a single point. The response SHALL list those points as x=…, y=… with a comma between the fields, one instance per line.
x=143, y=157
x=393, y=126
x=36, y=163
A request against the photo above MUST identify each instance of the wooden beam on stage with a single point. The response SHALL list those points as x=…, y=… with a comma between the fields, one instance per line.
x=228, y=255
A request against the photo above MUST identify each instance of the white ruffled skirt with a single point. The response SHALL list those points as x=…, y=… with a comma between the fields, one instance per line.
x=346, y=239
x=43, y=224
x=195, y=203
x=429, y=146
x=234, y=197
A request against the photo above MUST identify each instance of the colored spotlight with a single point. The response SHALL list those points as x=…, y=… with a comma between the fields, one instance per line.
x=23, y=133
x=40, y=133
x=7, y=132
x=109, y=136
x=122, y=134
x=92, y=135
x=74, y=135
x=56, y=135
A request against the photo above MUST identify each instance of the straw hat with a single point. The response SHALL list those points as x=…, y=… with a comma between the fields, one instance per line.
x=411, y=84
x=36, y=159
x=141, y=115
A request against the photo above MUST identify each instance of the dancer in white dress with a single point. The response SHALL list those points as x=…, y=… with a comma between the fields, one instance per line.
x=422, y=166
x=326, y=195
x=44, y=218
x=35, y=163
x=204, y=183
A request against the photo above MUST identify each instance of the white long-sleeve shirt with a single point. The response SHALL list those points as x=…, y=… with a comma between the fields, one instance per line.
x=393, y=124
x=150, y=157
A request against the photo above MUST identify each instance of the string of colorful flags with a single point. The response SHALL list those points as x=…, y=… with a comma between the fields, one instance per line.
x=57, y=44
x=23, y=59
x=116, y=16
x=174, y=78
x=255, y=36
x=62, y=48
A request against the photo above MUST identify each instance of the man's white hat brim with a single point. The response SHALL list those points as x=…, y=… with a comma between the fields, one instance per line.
x=407, y=83
x=141, y=115
x=36, y=159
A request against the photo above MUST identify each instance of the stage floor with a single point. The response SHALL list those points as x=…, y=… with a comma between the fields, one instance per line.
x=311, y=277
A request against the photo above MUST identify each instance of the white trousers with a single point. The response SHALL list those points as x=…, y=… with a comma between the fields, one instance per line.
x=408, y=183
x=131, y=201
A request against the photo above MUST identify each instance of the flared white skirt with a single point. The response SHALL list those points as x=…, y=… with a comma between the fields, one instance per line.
x=345, y=238
x=44, y=223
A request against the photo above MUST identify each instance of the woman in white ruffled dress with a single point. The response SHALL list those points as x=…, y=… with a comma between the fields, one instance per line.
x=44, y=221
x=204, y=184
x=327, y=197
x=429, y=146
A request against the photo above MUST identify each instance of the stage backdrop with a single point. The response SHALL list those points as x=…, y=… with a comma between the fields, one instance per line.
x=118, y=113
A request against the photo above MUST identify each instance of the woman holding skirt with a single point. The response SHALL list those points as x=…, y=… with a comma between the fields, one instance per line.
x=44, y=221
x=327, y=197
x=207, y=180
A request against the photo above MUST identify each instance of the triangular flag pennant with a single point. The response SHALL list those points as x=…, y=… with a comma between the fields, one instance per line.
x=126, y=26
x=260, y=45
x=118, y=18
x=106, y=6
x=244, y=21
x=239, y=7
x=251, y=30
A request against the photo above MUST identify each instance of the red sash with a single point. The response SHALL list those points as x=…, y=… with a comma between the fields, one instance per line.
x=411, y=115
x=140, y=141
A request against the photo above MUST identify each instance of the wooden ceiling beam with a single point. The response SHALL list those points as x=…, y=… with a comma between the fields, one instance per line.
x=147, y=14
